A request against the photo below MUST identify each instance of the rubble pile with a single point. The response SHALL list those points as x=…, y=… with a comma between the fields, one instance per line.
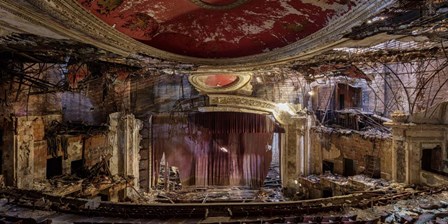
x=368, y=133
x=420, y=209
x=371, y=183
x=312, y=178
x=315, y=179
x=169, y=181
x=273, y=178
x=94, y=181
x=216, y=194
x=334, y=178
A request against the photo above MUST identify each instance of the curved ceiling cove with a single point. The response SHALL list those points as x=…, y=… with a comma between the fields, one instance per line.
x=218, y=28
x=219, y=81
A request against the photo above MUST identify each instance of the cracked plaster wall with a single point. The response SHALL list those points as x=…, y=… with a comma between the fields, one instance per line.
x=409, y=142
x=334, y=147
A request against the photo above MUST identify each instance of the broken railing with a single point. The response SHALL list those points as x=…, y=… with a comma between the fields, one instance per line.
x=352, y=119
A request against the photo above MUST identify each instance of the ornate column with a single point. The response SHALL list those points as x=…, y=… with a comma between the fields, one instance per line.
x=125, y=138
x=294, y=155
x=399, y=156
x=24, y=153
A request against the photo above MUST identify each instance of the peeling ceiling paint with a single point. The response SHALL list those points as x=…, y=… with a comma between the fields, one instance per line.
x=184, y=28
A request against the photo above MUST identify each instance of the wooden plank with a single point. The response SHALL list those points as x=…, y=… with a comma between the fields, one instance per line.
x=66, y=190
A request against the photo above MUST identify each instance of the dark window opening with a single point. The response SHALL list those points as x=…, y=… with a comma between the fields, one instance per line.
x=349, y=167
x=348, y=97
x=54, y=167
x=327, y=192
x=341, y=101
x=76, y=168
x=327, y=166
x=104, y=197
x=432, y=160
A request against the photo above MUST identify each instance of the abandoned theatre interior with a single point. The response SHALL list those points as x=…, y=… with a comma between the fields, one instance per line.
x=223, y=111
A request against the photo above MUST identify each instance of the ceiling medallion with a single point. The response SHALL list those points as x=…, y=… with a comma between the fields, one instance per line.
x=207, y=5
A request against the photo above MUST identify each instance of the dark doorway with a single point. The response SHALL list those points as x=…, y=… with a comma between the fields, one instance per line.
x=327, y=166
x=341, y=101
x=327, y=192
x=349, y=167
x=54, y=167
x=426, y=159
x=432, y=160
x=76, y=167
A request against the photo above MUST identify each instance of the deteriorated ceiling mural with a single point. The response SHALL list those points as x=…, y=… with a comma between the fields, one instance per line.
x=218, y=28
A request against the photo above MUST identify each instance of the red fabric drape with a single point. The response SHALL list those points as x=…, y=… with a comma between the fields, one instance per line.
x=216, y=149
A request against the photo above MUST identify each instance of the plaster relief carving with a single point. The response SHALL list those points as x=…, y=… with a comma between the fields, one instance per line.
x=401, y=162
x=279, y=113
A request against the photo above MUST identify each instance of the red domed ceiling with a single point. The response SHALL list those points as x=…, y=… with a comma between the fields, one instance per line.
x=218, y=28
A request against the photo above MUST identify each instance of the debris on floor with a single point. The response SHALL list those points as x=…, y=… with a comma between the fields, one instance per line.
x=419, y=205
x=96, y=180
x=216, y=194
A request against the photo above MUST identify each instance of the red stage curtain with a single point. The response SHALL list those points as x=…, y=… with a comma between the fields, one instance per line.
x=216, y=149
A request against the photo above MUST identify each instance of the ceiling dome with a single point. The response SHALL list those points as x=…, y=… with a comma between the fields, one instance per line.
x=218, y=28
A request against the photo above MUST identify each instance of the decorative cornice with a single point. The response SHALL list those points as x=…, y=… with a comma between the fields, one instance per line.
x=230, y=109
x=69, y=18
x=254, y=104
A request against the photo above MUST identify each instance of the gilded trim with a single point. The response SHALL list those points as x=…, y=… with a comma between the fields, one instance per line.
x=255, y=104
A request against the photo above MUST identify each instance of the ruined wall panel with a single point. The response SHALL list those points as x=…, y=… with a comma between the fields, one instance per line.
x=284, y=91
x=334, y=147
x=40, y=159
x=95, y=147
x=148, y=92
x=8, y=154
x=24, y=148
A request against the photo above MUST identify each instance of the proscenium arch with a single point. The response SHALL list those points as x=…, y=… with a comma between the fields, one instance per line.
x=283, y=113
x=290, y=117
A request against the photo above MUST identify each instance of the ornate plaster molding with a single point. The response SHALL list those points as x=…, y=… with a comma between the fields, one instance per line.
x=230, y=109
x=242, y=81
x=254, y=104
x=207, y=5
x=68, y=18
